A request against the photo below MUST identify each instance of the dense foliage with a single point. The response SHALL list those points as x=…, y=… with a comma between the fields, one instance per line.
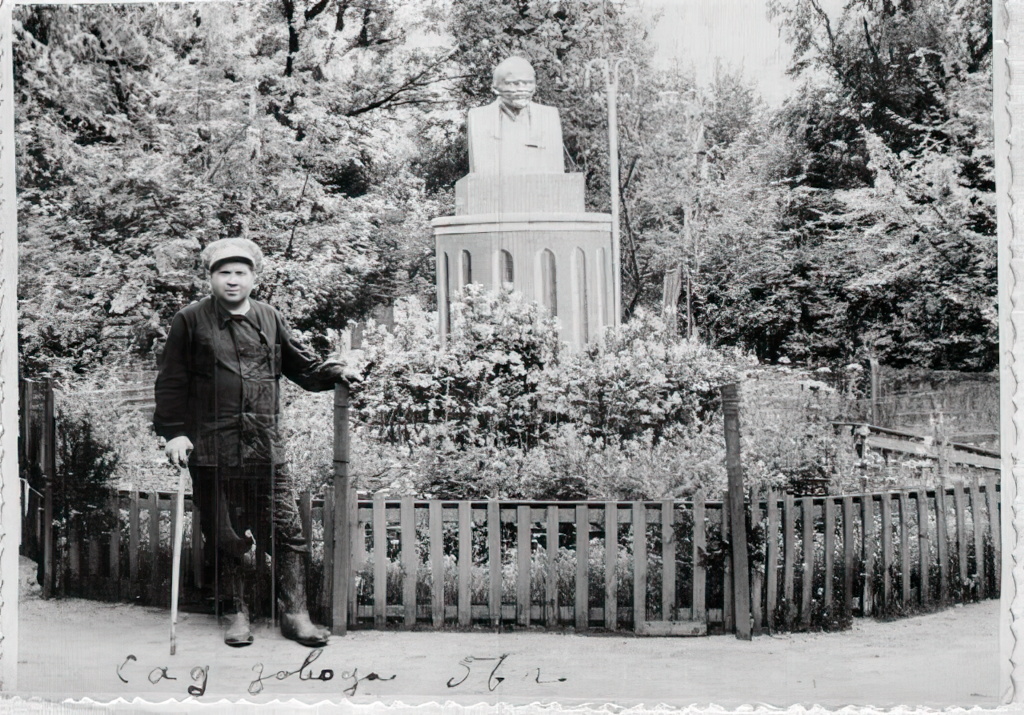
x=854, y=221
x=503, y=410
x=146, y=131
x=883, y=235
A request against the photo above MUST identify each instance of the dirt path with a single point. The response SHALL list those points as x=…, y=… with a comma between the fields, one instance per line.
x=76, y=647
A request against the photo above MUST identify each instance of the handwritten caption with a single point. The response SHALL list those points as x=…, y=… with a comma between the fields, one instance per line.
x=493, y=679
x=200, y=675
x=476, y=668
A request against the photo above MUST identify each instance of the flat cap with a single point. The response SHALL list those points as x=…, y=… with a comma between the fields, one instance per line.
x=232, y=249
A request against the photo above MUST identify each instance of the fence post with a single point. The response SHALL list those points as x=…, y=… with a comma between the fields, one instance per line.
x=435, y=521
x=48, y=458
x=494, y=561
x=734, y=469
x=700, y=611
x=639, y=566
x=29, y=517
x=551, y=573
x=409, y=558
x=581, y=608
x=876, y=416
x=25, y=434
x=342, y=566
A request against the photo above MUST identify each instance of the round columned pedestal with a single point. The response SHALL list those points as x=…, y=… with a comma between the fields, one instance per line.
x=561, y=260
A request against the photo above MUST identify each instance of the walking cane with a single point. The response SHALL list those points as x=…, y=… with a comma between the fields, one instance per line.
x=179, y=536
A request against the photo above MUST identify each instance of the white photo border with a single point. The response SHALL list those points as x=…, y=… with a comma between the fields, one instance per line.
x=10, y=487
x=1008, y=119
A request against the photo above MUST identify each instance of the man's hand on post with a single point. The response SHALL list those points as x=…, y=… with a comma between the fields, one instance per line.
x=346, y=374
x=177, y=450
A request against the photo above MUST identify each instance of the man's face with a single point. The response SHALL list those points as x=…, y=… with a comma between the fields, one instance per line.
x=232, y=282
x=516, y=87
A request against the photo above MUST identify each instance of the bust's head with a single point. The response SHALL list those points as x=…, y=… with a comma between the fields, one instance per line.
x=514, y=82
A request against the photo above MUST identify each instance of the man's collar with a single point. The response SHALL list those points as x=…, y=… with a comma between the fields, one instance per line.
x=224, y=315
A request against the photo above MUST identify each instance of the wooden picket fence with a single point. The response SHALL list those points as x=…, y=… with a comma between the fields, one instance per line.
x=814, y=561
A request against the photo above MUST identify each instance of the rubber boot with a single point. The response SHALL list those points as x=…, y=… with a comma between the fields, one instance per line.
x=239, y=632
x=295, y=622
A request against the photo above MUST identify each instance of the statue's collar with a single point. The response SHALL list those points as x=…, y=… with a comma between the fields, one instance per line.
x=534, y=130
x=524, y=112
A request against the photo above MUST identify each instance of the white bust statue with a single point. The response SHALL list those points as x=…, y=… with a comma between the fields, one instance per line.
x=513, y=134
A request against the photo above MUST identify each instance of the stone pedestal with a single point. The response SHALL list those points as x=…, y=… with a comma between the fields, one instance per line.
x=529, y=233
x=526, y=193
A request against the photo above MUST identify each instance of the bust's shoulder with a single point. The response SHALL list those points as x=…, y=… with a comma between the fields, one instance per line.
x=543, y=109
x=483, y=109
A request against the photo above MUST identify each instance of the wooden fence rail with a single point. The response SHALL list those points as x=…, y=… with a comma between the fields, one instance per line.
x=814, y=561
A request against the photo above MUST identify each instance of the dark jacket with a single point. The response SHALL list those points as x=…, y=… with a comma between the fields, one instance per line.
x=219, y=383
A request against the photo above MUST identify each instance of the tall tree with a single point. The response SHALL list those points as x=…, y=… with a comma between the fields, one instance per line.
x=144, y=132
x=885, y=247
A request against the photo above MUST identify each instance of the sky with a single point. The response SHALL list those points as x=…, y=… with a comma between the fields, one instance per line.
x=738, y=32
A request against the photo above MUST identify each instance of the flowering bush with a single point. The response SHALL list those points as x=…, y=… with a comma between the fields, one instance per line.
x=641, y=380
x=504, y=410
x=480, y=390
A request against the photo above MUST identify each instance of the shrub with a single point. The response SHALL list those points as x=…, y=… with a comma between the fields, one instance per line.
x=85, y=465
x=639, y=382
x=480, y=390
x=786, y=426
x=504, y=411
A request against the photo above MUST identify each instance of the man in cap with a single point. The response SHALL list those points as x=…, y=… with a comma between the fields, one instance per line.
x=218, y=407
x=514, y=134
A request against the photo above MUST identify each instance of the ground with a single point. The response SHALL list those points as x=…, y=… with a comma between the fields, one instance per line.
x=75, y=647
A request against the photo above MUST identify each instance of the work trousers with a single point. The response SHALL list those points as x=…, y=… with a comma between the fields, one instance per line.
x=261, y=501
